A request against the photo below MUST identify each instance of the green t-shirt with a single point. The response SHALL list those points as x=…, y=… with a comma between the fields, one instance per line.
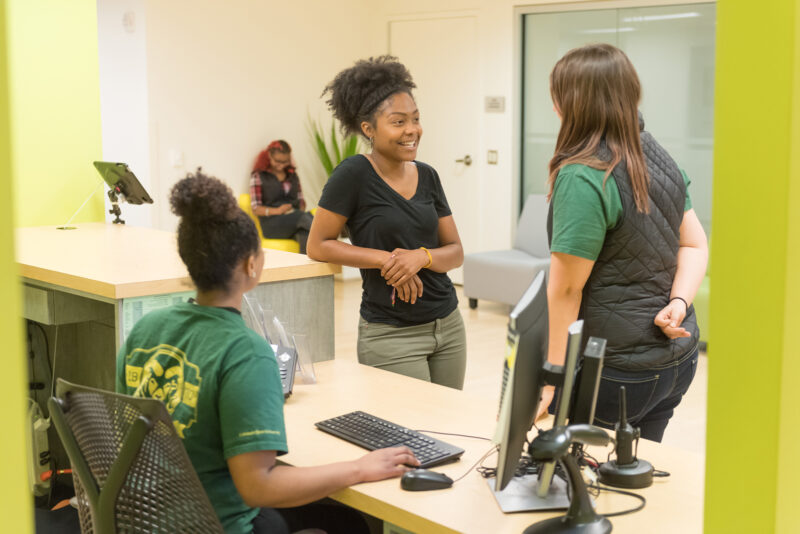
x=221, y=385
x=584, y=210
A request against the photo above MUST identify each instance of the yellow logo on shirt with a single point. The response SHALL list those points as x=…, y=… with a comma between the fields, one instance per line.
x=169, y=376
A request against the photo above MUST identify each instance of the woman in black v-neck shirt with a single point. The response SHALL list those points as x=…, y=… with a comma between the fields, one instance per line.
x=403, y=233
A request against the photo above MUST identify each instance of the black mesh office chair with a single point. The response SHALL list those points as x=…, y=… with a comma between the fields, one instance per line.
x=132, y=473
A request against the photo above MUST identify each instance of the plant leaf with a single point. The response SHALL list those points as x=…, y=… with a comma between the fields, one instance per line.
x=335, y=143
x=322, y=152
x=351, y=146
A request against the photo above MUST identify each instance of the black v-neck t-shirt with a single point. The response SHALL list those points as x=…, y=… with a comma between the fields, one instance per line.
x=379, y=217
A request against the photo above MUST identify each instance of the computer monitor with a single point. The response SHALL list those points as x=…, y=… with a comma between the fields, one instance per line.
x=526, y=352
x=526, y=371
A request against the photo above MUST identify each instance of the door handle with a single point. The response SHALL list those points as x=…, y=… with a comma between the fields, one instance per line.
x=466, y=160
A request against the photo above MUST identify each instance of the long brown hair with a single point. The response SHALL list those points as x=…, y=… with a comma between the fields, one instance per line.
x=596, y=90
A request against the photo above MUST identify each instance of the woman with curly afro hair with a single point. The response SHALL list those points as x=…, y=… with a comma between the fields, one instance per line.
x=404, y=238
x=228, y=407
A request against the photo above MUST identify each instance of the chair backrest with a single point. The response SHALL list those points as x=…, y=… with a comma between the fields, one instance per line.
x=532, y=227
x=247, y=207
x=133, y=473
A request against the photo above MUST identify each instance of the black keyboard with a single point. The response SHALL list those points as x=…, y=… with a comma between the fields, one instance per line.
x=373, y=433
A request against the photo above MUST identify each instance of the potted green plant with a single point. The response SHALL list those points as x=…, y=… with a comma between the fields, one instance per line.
x=332, y=149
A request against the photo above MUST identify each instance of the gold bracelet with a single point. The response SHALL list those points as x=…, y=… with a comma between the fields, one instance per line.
x=430, y=258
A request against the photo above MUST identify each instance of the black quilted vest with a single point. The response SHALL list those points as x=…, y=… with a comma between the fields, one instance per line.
x=631, y=279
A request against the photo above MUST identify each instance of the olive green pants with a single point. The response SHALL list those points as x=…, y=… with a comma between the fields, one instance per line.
x=435, y=352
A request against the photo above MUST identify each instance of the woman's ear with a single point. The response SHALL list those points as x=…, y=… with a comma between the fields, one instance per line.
x=368, y=130
x=250, y=266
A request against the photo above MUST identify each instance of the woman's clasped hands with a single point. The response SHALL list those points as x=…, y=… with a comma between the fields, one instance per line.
x=400, y=272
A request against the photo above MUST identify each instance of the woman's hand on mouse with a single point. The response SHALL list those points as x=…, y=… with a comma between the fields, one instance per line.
x=386, y=463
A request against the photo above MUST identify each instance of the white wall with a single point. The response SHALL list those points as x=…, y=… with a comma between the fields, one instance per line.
x=121, y=37
x=220, y=81
x=223, y=79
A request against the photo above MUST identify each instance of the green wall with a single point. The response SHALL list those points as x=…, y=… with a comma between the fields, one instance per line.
x=55, y=114
x=754, y=361
x=15, y=500
x=49, y=136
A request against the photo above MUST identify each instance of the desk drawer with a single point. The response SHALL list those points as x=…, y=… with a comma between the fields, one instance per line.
x=52, y=307
x=37, y=304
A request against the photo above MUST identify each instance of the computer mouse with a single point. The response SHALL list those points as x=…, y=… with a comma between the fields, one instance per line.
x=424, y=480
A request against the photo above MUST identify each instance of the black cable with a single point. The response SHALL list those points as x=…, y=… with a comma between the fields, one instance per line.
x=46, y=344
x=487, y=472
x=659, y=473
x=452, y=434
x=642, y=500
x=481, y=459
x=32, y=356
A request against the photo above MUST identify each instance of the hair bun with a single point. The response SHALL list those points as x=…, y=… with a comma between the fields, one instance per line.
x=198, y=196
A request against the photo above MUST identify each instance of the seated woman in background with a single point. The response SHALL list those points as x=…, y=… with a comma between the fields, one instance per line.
x=229, y=406
x=276, y=195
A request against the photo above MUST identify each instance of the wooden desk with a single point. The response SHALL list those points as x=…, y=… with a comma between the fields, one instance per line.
x=674, y=504
x=94, y=282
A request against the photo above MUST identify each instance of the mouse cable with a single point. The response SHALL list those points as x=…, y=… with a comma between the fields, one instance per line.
x=526, y=466
x=641, y=498
x=452, y=434
x=481, y=459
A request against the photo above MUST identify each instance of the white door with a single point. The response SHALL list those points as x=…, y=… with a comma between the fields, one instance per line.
x=442, y=57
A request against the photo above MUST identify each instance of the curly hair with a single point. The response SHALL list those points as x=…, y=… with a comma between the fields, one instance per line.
x=214, y=234
x=356, y=93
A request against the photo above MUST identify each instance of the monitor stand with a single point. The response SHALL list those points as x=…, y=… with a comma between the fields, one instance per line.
x=521, y=495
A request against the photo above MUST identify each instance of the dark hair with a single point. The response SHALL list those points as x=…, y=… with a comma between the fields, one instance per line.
x=214, y=234
x=357, y=92
x=597, y=93
x=264, y=163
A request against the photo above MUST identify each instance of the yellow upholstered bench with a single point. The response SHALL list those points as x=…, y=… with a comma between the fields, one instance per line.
x=289, y=245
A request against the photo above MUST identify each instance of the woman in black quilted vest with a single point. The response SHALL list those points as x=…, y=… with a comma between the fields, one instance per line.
x=627, y=250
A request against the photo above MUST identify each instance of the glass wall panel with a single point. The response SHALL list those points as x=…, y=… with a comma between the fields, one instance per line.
x=672, y=48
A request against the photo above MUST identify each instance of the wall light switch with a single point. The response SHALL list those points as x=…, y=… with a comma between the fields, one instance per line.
x=176, y=158
x=491, y=157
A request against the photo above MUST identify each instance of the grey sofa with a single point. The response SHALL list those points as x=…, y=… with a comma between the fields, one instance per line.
x=503, y=275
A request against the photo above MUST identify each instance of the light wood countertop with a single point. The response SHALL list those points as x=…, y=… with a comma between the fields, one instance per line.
x=674, y=504
x=120, y=261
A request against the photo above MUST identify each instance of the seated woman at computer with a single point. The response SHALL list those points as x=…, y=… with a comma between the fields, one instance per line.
x=276, y=196
x=220, y=380
x=627, y=250
x=404, y=238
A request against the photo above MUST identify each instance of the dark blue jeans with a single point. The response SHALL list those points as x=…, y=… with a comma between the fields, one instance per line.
x=652, y=395
x=326, y=514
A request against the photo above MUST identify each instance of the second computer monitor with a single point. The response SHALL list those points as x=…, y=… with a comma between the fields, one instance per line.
x=526, y=352
x=525, y=373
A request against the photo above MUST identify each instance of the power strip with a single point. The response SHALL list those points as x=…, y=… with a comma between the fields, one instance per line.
x=39, y=450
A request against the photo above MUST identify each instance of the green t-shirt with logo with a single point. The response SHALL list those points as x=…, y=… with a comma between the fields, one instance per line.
x=221, y=385
x=584, y=210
